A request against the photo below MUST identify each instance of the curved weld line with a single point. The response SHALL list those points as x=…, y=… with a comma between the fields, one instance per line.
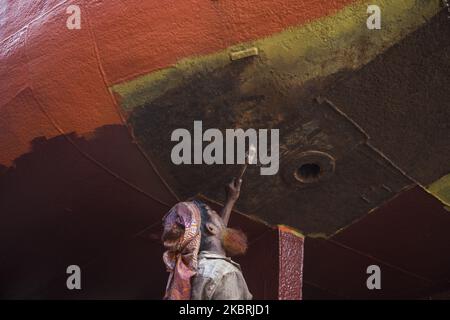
x=137, y=234
x=253, y=218
x=99, y=164
x=61, y=131
x=412, y=274
x=321, y=99
x=392, y=163
x=373, y=210
x=340, y=296
x=33, y=20
x=114, y=102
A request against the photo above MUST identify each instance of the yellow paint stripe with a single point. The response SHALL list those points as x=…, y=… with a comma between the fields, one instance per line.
x=291, y=230
x=441, y=189
x=298, y=54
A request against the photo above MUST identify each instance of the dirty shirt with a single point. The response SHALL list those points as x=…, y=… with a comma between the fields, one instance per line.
x=218, y=278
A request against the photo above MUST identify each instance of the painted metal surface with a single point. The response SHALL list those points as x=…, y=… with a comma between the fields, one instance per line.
x=297, y=84
x=75, y=186
x=407, y=238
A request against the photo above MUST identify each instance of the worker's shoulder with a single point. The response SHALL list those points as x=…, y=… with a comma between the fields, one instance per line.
x=216, y=266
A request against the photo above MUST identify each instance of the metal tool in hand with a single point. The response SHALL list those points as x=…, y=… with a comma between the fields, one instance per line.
x=249, y=159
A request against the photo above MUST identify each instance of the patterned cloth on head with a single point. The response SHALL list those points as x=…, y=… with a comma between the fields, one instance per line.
x=181, y=256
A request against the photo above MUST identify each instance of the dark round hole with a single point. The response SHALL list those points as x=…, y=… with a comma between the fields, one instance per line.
x=308, y=172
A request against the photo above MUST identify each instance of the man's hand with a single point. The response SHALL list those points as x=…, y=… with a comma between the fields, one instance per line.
x=233, y=189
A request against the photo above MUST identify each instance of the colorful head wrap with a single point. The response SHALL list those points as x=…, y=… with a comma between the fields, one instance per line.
x=181, y=256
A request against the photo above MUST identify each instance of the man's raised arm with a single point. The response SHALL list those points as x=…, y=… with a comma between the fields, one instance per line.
x=232, y=190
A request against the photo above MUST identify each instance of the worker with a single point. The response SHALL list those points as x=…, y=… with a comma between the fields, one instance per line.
x=198, y=244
